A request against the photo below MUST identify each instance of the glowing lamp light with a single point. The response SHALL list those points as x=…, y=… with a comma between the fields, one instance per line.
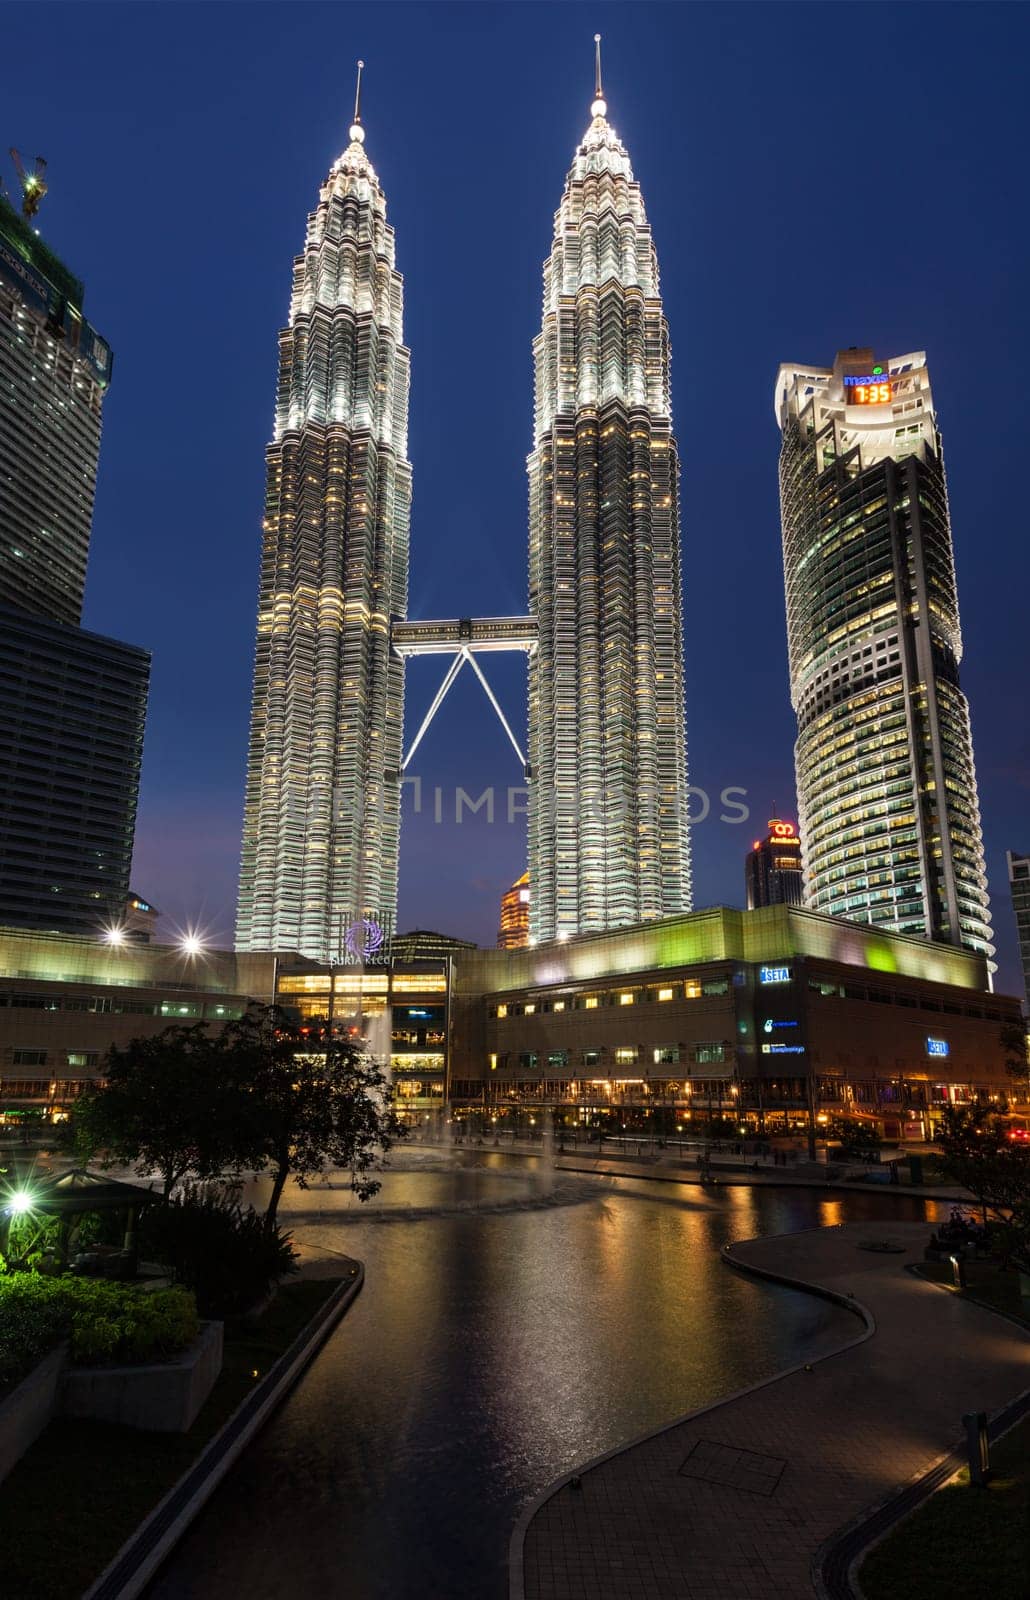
x=599, y=108
x=191, y=944
x=114, y=936
x=19, y=1203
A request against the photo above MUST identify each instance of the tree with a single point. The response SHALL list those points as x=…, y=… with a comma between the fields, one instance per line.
x=978, y=1154
x=168, y=1103
x=1017, y=1061
x=857, y=1138
x=315, y=1102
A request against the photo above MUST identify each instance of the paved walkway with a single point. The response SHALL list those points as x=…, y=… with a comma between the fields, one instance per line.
x=734, y=1501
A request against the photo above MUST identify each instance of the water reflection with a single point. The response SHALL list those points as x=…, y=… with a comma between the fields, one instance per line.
x=486, y=1354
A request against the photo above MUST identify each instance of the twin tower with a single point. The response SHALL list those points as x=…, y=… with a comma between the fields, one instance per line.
x=607, y=770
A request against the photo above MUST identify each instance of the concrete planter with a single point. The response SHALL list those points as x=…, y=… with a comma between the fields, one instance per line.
x=163, y=1398
x=28, y=1409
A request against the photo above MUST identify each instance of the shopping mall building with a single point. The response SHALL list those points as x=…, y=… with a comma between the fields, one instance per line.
x=769, y=1017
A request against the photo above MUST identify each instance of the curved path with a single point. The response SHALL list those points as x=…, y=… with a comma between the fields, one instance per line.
x=735, y=1500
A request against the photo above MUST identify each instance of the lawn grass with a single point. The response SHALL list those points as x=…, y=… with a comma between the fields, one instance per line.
x=964, y=1543
x=84, y=1487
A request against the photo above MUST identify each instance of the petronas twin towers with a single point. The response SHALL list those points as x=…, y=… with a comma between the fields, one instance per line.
x=608, y=835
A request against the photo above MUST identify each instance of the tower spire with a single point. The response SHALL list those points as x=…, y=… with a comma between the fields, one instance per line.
x=357, y=132
x=600, y=106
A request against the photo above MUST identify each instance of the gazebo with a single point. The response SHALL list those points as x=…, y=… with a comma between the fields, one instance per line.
x=72, y=1195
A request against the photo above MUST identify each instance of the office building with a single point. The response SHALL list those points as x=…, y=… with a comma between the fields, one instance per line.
x=513, y=933
x=72, y=713
x=1019, y=887
x=772, y=868
x=72, y=703
x=423, y=944
x=322, y=812
x=608, y=838
x=54, y=373
x=887, y=794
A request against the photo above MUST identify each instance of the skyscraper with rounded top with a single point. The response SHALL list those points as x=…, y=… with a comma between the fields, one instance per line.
x=322, y=817
x=608, y=837
x=888, y=804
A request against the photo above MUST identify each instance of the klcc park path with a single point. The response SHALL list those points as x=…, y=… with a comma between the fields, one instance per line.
x=736, y=1500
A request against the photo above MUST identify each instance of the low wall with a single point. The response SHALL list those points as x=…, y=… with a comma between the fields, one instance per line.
x=162, y=1398
x=28, y=1409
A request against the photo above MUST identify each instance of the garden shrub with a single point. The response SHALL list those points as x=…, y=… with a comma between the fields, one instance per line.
x=104, y=1322
x=220, y=1249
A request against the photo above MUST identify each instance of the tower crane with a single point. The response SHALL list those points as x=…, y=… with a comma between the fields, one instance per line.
x=33, y=184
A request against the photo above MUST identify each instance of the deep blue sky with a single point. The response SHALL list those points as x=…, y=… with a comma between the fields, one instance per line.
x=816, y=176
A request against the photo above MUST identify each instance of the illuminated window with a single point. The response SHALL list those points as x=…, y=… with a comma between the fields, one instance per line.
x=502, y=1011
x=692, y=989
x=666, y=994
x=626, y=1057
x=493, y=1063
x=625, y=999
x=559, y=1005
x=530, y=1008
x=591, y=1002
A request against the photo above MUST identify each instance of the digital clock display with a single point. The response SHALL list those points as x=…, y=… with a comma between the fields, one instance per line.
x=875, y=390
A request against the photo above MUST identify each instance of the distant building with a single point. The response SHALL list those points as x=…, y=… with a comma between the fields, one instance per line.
x=887, y=795
x=422, y=944
x=140, y=918
x=513, y=933
x=1019, y=884
x=72, y=704
x=772, y=868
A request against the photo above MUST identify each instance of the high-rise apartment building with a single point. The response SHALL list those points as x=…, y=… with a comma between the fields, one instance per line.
x=772, y=868
x=1019, y=886
x=608, y=837
x=889, y=814
x=72, y=704
x=513, y=933
x=54, y=372
x=322, y=817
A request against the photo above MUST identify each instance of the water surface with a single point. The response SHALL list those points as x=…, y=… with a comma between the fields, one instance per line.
x=488, y=1352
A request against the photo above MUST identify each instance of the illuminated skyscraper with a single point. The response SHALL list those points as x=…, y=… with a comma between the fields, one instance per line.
x=322, y=818
x=772, y=868
x=608, y=840
x=889, y=814
x=513, y=933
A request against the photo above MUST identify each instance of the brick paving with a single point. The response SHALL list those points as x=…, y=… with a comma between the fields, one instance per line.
x=646, y=1525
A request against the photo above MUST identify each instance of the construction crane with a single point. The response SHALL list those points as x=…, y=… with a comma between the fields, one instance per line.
x=33, y=184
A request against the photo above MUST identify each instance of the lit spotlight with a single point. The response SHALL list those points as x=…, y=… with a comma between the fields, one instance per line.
x=19, y=1203
x=114, y=936
x=191, y=944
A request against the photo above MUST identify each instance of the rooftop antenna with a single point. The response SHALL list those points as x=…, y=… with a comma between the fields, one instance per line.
x=599, y=107
x=33, y=184
x=357, y=132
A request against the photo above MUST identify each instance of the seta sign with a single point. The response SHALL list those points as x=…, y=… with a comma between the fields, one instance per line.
x=938, y=1047
x=774, y=974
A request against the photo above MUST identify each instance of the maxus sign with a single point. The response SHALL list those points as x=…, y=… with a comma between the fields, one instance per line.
x=938, y=1047
x=774, y=975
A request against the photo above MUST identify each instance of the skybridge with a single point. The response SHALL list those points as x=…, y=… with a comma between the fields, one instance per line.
x=463, y=639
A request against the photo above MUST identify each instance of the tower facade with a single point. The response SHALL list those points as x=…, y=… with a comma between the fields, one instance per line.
x=54, y=373
x=608, y=837
x=322, y=812
x=889, y=813
x=72, y=704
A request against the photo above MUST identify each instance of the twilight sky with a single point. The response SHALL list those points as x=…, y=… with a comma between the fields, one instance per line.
x=816, y=176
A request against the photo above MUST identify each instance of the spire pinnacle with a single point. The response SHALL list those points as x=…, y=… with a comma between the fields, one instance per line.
x=600, y=106
x=357, y=132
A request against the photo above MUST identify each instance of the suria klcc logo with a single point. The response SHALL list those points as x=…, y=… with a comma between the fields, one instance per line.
x=363, y=939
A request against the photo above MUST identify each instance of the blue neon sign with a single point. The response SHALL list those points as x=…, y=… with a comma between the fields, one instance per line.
x=938, y=1047
x=774, y=975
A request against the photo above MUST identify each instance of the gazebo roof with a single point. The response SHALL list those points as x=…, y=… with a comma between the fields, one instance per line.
x=79, y=1190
